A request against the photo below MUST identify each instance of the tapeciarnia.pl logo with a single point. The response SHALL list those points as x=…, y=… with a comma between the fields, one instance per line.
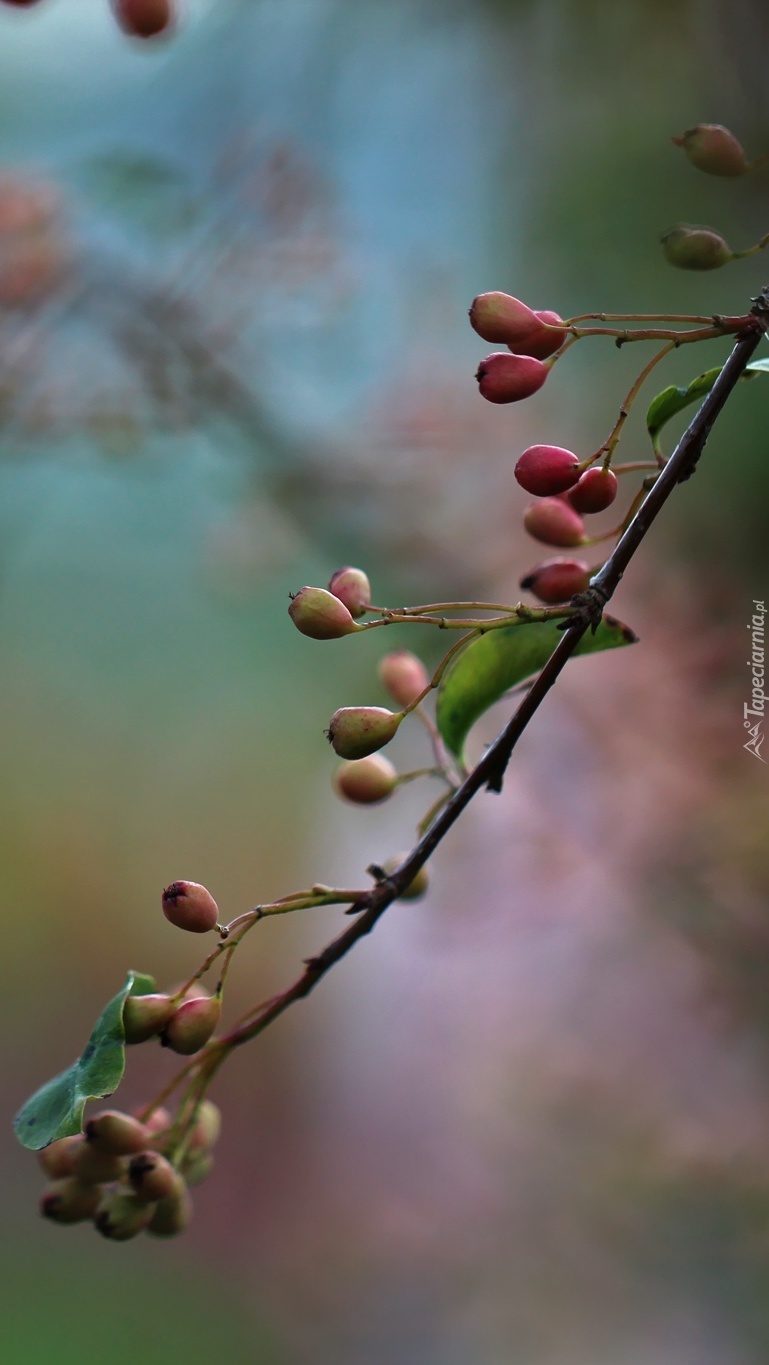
x=753, y=711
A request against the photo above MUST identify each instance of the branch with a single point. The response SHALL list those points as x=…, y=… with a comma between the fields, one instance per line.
x=491, y=768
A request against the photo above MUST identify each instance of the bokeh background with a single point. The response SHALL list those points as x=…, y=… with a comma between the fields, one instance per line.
x=528, y=1120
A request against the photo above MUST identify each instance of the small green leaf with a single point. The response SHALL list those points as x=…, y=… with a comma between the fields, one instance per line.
x=56, y=1109
x=493, y=663
x=675, y=397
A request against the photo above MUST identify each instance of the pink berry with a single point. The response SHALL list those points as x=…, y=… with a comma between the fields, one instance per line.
x=595, y=491
x=352, y=588
x=556, y=580
x=403, y=675
x=190, y=906
x=504, y=378
x=547, y=470
x=190, y=1028
x=554, y=522
x=499, y=318
x=712, y=148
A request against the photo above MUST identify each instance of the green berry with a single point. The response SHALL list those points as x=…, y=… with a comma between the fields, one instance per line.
x=152, y=1177
x=366, y=781
x=357, y=731
x=58, y=1158
x=320, y=614
x=417, y=886
x=115, y=1133
x=208, y=1126
x=144, y=1016
x=172, y=1213
x=695, y=248
x=67, y=1201
x=121, y=1215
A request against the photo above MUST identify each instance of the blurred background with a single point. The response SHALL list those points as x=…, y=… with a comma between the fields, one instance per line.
x=528, y=1120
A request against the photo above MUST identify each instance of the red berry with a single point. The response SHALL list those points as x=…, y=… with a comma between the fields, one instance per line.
x=504, y=378
x=556, y=580
x=595, y=491
x=547, y=470
x=542, y=342
x=143, y=18
x=554, y=522
x=190, y=906
x=500, y=318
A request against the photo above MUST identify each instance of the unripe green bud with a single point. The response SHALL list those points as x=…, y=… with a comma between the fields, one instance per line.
x=357, y=731
x=352, y=588
x=197, y=1166
x=403, y=675
x=712, y=148
x=67, y=1201
x=320, y=614
x=144, y=1016
x=501, y=318
x=58, y=1159
x=143, y=18
x=547, y=470
x=116, y=1133
x=554, y=523
x=504, y=378
x=121, y=1215
x=208, y=1126
x=172, y=1213
x=556, y=580
x=419, y=884
x=151, y=1176
x=189, y=906
x=189, y=1029
x=366, y=781
x=594, y=491
x=93, y=1167
x=695, y=248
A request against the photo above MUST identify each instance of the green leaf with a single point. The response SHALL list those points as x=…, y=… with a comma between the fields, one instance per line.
x=56, y=1109
x=675, y=397
x=493, y=663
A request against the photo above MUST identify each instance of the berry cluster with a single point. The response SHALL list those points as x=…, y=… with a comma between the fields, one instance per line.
x=128, y=1174
x=131, y=1173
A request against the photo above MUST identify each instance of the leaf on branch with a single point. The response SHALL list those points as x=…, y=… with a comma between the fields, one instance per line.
x=676, y=397
x=493, y=663
x=56, y=1109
